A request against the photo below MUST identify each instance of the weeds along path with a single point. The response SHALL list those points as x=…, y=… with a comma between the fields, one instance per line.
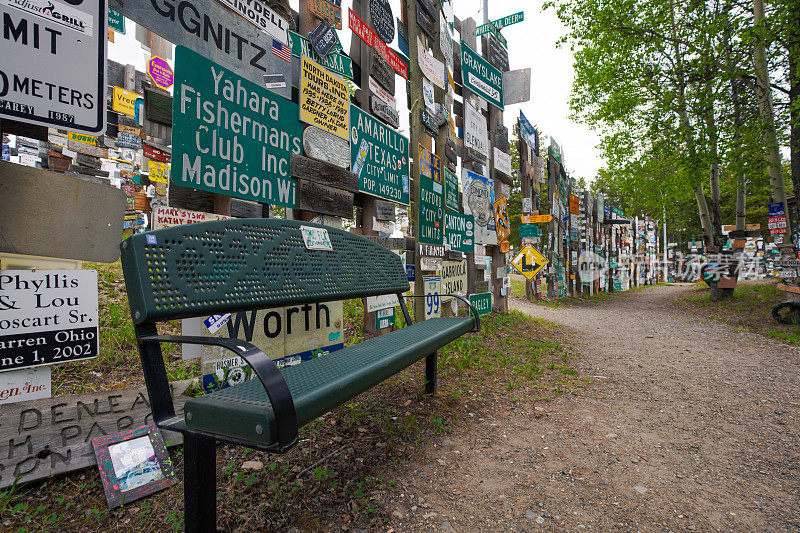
x=687, y=425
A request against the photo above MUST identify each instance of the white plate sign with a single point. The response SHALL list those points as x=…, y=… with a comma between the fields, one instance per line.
x=316, y=238
x=384, y=301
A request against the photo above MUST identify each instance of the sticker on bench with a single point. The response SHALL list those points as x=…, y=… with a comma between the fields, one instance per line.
x=316, y=238
x=214, y=322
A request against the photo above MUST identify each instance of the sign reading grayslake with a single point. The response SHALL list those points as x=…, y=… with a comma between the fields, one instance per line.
x=480, y=77
x=231, y=136
x=47, y=317
x=379, y=157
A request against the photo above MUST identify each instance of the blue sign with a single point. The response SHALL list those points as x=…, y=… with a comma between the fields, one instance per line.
x=776, y=209
x=529, y=133
x=410, y=273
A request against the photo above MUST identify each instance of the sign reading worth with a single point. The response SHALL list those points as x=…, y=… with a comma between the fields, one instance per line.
x=231, y=136
x=379, y=157
x=480, y=77
x=47, y=317
x=324, y=98
x=160, y=72
x=459, y=232
x=371, y=39
x=431, y=213
x=53, y=63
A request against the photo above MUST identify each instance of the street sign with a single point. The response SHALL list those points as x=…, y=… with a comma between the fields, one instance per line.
x=459, y=232
x=382, y=19
x=253, y=165
x=116, y=21
x=431, y=211
x=529, y=261
x=482, y=303
x=379, y=157
x=536, y=219
x=500, y=23
x=63, y=48
x=478, y=199
x=528, y=231
x=324, y=98
x=454, y=279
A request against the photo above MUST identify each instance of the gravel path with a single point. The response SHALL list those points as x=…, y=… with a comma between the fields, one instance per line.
x=688, y=425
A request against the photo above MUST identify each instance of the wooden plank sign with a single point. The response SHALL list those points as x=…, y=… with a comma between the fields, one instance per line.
x=322, y=199
x=426, y=23
x=42, y=438
x=383, y=72
x=323, y=173
x=328, y=11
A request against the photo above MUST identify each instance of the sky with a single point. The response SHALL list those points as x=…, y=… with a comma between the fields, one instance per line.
x=531, y=43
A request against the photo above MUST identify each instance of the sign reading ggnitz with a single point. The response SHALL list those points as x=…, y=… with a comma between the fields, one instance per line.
x=231, y=136
x=47, y=317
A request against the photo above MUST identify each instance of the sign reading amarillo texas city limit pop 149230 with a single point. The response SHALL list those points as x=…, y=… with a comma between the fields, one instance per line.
x=379, y=157
x=480, y=77
x=231, y=136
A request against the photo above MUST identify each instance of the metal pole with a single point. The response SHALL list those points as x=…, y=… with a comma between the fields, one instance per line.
x=485, y=11
x=664, y=219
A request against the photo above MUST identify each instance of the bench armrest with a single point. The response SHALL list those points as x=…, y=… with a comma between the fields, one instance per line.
x=271, y=379
x=475, y=317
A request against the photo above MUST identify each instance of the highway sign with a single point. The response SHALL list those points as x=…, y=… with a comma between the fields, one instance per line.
x=529, y=261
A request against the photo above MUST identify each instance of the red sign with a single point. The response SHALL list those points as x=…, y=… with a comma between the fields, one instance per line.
x=156, y=154
x=369, y=37
x=777, y=224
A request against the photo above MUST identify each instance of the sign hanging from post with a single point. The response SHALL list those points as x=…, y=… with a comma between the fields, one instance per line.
x=324, y=99
x=243, y=152
x=480, y=77
x=53, y=64
x=160, y=72
x=482, y=303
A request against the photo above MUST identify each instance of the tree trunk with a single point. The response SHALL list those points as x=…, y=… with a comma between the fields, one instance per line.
x=705, y=219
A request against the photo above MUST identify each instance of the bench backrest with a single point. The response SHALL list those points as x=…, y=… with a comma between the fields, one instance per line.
x=232, y=265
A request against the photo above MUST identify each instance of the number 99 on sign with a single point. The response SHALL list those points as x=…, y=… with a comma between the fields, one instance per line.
x=433, y=287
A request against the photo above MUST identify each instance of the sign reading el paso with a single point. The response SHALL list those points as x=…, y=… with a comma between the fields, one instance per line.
x=230, y=136
x=379, y=157
x=480, y=77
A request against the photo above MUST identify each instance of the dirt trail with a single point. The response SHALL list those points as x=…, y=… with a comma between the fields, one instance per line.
x=688, y=425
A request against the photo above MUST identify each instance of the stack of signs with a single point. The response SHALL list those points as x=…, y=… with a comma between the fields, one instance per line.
x=776, y=222
x=479, y=202
x=379, y=157
x=215, y=158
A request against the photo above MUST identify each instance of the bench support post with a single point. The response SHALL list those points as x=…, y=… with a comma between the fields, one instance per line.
x=199, y=480
x=430, y=373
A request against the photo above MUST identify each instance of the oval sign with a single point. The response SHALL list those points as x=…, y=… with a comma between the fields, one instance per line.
x=325, y=146
x=382, y=19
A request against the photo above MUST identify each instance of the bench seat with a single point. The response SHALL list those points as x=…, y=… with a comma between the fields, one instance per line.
x=237, y=413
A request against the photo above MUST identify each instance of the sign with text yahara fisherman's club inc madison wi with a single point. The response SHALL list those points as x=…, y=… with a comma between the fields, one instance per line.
x=230, y=135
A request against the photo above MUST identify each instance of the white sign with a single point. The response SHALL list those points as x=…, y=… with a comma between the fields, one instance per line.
x=445, y=40
x=430, y=66
x=527, y=205
x=214, y=322
x=383, y=226
x=430, y=264
x=382, y=93
x=384, y=301
x=433, y=304
x=53, y=63
x=316, y=238
x=166, y=217
x=47, y=317
x=502, y=162
x=25, y=384
x=261, y=16
x=475, y=133
x=427, y=96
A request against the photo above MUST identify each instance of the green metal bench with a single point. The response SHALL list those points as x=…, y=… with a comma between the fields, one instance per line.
x=236, y=265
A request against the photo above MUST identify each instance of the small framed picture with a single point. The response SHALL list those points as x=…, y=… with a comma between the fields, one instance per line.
x=133, y=464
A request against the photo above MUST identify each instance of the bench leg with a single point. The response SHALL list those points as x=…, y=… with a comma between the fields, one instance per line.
x=430, y=373
x=199, y=480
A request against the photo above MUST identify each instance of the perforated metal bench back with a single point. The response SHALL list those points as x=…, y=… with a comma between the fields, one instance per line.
x=231, y=265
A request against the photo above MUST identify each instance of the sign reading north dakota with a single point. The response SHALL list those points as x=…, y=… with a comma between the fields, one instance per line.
x=231, y=136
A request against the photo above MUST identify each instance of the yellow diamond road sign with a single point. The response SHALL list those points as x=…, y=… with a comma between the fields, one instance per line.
x=529, y=261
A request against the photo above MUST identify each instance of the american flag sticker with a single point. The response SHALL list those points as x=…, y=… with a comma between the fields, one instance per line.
x=281, y=50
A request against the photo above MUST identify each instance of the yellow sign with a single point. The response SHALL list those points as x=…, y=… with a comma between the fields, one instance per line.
x=158, y=172
x=536, y=219
x=85, y=139
x=324, y=99
x=125, y=101
x=529, y=261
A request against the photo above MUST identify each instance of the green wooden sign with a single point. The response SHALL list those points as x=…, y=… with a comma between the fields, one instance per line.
x=459, y=232
x=451, y=190
x=500, y=23
x=529, y=230
x=431, y=211
x=379, y=157
x=336, y=62
x=481, y=302
x=480, y=77
x=116, y=21
x=231, y=136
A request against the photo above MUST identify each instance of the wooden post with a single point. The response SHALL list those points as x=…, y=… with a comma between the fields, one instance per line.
x=467, y=33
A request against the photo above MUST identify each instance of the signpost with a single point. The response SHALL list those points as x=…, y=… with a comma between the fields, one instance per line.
x=500, y=23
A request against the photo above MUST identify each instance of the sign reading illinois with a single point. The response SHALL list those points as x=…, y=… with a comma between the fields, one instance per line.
x=231, y=136
x=480, y=77
x=379, y=157
x=324, y=98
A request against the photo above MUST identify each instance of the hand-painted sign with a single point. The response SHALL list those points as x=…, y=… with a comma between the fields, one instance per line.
x=529, y=261
x=382, y=19
x=430, y=165
x=261, y=16
x=429, y=121
x=47, y=317
x=429, y=65
x=431, y=213
x=433, y=291
x=480, y=77
x=503, y=225
x=478, y=201
x=482, y=303
x=500, y=23
x=324, y=98
x=129, y=137
x=70, y=60
x=335, y=62
x=476, y=135
x=166, y=217
x=379, y=157
x=160, y=72
x=369, y=37
x=502, y=162
x=231, y=136
x=459, y=231
x=451, y=190
x=157, y=171
x=445, y=42
x=328, y=11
